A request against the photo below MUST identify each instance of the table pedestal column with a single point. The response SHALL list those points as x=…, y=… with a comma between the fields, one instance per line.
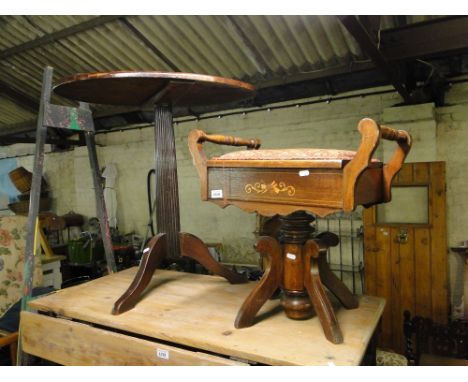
x=167, y=190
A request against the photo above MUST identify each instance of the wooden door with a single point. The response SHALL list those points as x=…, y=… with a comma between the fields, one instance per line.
x=406, y=262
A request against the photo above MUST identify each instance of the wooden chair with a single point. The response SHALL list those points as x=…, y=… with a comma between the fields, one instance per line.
x=428, y=343
x=296, y=183
x=11, y=340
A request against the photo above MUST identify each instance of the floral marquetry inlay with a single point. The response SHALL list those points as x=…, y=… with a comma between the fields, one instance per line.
x=274, y=188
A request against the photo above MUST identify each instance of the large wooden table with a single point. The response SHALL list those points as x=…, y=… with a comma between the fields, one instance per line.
x=187, y=320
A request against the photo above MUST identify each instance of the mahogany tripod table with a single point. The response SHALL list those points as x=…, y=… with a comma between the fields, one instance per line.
x=295, y=183
x=161, y=91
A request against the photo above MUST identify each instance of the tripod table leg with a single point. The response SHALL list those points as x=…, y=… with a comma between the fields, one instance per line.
x=195, y=248
x=152, y=257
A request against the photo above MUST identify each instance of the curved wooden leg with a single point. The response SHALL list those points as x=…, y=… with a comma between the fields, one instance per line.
x=152, y=257
x=194, y=248
x=267, y=285
x=335, y=285
x=322, y=305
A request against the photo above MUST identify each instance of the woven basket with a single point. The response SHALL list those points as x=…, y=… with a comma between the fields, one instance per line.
x=21, y=178
x=22, y=208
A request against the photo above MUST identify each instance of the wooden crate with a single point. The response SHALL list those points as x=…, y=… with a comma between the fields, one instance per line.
x=188, y=319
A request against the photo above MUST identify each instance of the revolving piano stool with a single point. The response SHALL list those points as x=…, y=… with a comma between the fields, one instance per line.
x=295, y=183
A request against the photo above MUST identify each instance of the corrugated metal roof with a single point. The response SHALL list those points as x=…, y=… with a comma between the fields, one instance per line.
x=250, y=48
x=11, y=113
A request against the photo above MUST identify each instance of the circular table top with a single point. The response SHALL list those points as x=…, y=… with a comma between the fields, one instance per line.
x=137, y=88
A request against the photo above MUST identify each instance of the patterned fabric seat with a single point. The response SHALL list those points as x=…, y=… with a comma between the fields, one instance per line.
x=291, y=154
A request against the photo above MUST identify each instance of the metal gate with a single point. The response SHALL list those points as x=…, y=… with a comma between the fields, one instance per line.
x=347, y=258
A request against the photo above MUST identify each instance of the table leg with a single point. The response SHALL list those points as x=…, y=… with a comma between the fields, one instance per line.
x=194, y=248
x=152, y=257
x=370, y=356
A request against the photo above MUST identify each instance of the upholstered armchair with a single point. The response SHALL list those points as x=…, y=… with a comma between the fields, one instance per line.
x=12, y=248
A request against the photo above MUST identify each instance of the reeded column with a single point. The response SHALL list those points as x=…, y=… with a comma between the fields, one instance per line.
x=167, y=192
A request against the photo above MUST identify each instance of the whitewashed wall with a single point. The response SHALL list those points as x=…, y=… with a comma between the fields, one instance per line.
x=439, y=134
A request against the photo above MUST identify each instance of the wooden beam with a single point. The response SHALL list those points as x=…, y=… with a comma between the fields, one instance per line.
x=51, y=37
x=53, y=141
x=437, y=37
x=368, y=46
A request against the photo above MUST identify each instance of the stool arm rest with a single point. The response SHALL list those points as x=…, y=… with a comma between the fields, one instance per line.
x=228, y=140
x=395, y=135
x=371, y=133
x=196, y=139
x=390, y=169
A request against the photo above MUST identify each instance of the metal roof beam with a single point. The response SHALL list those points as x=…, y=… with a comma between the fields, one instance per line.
x=246, y=45
x=372, y=25
x=17, y=128
x=140, y=36
x=51, y=37
x=319, y=74
x=19, y=97
x=418, y=40
x=368, y=46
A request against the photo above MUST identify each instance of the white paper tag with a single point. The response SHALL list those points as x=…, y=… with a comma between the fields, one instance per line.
x=291, y=256
x=164, y=354
x=304, y=173
x=216, y=194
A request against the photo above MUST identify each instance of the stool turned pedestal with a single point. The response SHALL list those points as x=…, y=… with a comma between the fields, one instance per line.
x=296, y=183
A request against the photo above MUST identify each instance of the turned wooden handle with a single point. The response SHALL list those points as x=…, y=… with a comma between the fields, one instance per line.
x=394, y=135
x=371, y=134
x=229, y=140
x=195, y=143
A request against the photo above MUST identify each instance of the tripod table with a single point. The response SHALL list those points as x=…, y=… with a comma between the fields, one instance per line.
x=161, y=91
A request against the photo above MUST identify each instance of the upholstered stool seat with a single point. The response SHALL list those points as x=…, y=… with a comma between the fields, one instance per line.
x=307, y=154
x=296, y=183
